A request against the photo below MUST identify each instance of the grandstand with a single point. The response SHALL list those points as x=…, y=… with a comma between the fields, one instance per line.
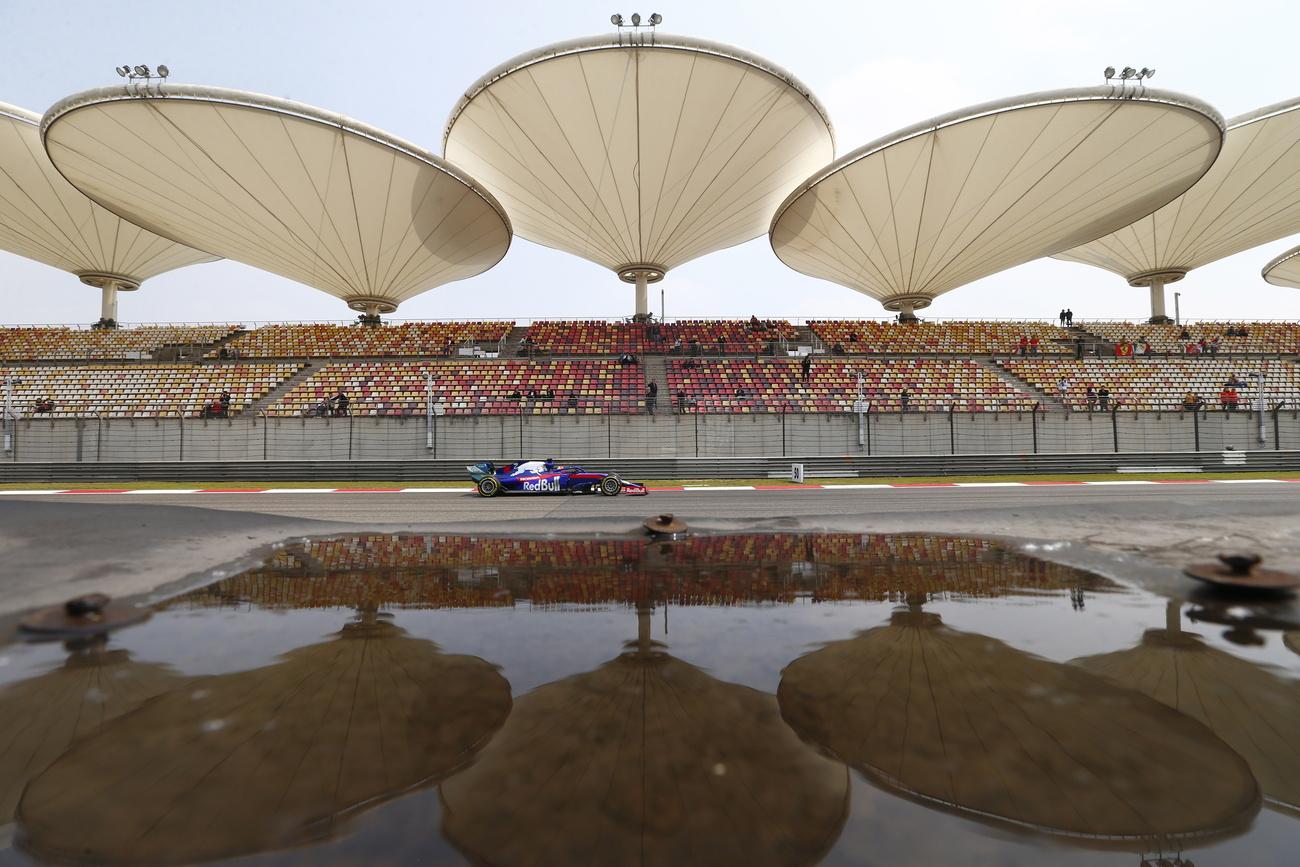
x=1158, y=384
x=474, y=388
x=719, y=367
x=323, y=340
x=74, y=344
x=143, y=390
x=777, y=385
x=960, y=338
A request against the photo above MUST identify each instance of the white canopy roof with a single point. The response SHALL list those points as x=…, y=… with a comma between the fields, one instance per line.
x=932, y=207
x=45, y=218
x=1284, y=270
x=313, y=196
x=639, y=155
x=1251, y=196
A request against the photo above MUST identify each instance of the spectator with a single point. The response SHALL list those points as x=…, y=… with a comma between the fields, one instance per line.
x=626, y=359
x=45, y=404
x=1033, y=345
x=651, y=397
x=1193, y=402
x=688, y=364
x=722, y=345
x=1228, y=399
x=1069, y=318
x=549, y=394
x=1214, y=346
x=1235, y=382
x=226, y=399
x=806, y=366
x=515, y=395
x=681, y=400
x=742, y=393
x=1146, y=345
x=532, y=394
x=1061, y=317
x=1184, y=334
x=341, y=403
x=1063, y=390
x=905, y=399
x=1103, y=398
x=223, y=352
x=1024, y=346
x=1090, y=397
x=677, y=346
x=837, y=349
x=572, y=402
x=1078, y=347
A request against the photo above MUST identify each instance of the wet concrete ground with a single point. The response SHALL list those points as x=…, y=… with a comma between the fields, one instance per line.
x=50, y=549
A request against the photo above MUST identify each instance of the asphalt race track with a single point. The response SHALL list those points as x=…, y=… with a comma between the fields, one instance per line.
x=54, y=546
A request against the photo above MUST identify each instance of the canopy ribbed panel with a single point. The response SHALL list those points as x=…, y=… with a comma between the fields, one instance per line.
x=1285, y=269
x=1250, y=196
x=45, y=218
x=639, y=155
x=950, y=201
x=287, y=188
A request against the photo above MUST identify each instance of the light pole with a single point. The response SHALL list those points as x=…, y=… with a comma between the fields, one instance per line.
x=1260, y=404
x=1178, y=320
x=9, y=417
x=428, y=411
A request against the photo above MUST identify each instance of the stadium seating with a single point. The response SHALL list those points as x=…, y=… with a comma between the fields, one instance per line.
x=1158, y=383
x=333, y=341
x=396, y=388
x=1261, y=337
x=776, y=385
x=861, y=337
x=597, y=337
x=72, y=344
x=143, y=390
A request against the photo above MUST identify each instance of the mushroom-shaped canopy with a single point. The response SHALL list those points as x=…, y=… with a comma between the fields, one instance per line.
x=940, y=204
x=305, y=193
x=1284, y=270
x=1255, y=709
x=647, y=760
x=43, y=217
x=966, y=723
x=41, y=717
x=1250, y=196
x=639, y=155
x=276, y=756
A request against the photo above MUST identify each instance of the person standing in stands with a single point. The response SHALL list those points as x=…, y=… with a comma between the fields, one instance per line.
x=1061, y=317
x=1069, y=318
x=1063, y=391
x=1103, y=398
x=681, y=400
x=1024, y=346
x=1090, y=397
x=651, y=397
x=1033, y=345
x=905, y=399
x=1228, y=399
x=806, y=365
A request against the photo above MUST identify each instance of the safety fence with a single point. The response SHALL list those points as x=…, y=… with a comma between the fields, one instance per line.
x=690, y=435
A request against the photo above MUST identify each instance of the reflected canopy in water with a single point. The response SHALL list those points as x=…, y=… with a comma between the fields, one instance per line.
x=275, y=756
x=966, y=723
x=1250, y=706
x=646, y=760
x=42, y=716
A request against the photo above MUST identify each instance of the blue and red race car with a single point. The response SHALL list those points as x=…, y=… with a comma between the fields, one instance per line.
x=546, y=477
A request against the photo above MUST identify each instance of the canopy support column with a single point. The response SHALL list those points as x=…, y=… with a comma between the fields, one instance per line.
x=906, y=312
x=1158, y=316
x=108, y=304
x=642, y=297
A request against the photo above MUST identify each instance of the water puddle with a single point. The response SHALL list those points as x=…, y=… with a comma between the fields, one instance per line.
x=736, y=699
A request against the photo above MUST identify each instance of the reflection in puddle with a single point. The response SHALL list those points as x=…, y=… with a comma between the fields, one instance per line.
x=836, y=699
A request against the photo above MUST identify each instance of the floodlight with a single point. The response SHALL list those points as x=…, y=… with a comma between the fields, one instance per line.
x=1109, y=72
x=616, y=20
x=140, y=70
x=1150, y=72
x=656, y=18
x=1144, y=73
x=1128, y=72
x=121, y=70
x=636, y=19
x=163, y=70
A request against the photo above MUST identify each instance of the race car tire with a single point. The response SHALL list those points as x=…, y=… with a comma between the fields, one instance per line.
x=488, y=487
x=610, y=486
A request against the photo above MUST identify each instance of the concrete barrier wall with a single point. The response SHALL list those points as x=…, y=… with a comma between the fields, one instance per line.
x=592, y=437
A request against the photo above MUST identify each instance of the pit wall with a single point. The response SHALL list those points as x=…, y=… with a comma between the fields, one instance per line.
x=669, y=436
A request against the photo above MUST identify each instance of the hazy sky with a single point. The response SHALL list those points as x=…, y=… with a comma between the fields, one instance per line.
x=401, y=65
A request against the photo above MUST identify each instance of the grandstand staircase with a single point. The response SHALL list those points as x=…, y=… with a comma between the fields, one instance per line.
x=514, y=340
x=655, y=368
x=274, y=395
x=1105, y=347
x=172, y=352
x=1049, y=403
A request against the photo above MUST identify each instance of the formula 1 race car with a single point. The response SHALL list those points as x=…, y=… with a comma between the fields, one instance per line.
x=546, y=477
